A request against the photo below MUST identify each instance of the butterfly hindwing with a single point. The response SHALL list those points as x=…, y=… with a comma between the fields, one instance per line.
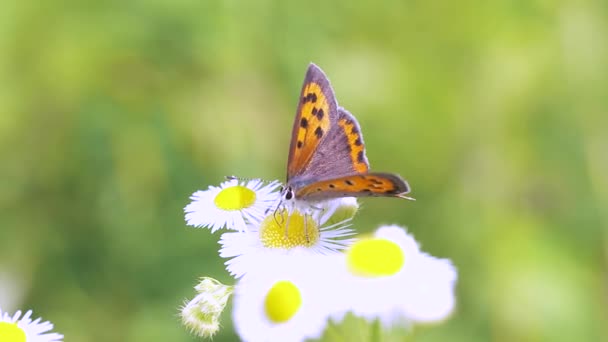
x=316, y=114
x=349, y=126
x=362, y=185
x=341, y=153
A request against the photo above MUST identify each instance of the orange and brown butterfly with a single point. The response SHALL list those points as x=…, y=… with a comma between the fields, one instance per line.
x=327, y=154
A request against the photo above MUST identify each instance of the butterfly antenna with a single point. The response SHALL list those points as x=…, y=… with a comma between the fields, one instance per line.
x=406, y=197
x=240, y=178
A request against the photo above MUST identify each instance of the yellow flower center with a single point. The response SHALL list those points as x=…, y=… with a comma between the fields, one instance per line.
x=235, y=198
x=10, y=332
x=280, y=230
x=375, y=257
x=282, y=301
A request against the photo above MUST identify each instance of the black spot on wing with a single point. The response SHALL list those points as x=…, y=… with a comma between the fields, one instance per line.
x=360, y=157
x=310, y=97
x=304, y=123
x=319, y=132
x=348, y=148
x=320, y=113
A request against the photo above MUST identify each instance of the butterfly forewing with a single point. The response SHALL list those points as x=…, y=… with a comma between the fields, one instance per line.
x=363, y=185
x=316, y=114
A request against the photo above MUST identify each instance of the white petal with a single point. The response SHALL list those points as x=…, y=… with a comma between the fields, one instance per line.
x=311, y=276
x=422, y=291
x=35, y=331
x=431, y=297
x=246, y=252
x=202, y=211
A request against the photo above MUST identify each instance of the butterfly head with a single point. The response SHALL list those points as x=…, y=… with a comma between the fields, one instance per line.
x=286, y=202
x=287, y=193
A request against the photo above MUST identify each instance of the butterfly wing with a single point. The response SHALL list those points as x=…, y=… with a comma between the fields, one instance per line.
x=363, y=185
x=317, y=113
x=327, y=154
x=341, y=153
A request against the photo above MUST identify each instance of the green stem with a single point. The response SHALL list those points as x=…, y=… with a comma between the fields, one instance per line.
x=376, y=331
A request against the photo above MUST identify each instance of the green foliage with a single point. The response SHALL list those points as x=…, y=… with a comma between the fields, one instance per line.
x=113, y=113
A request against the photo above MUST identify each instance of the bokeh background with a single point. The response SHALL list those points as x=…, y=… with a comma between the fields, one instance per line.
x=112, y=113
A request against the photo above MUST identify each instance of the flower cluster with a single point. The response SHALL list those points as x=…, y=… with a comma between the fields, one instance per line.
x=298, y=268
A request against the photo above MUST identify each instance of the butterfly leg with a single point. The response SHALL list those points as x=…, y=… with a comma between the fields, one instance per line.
x=316, y=208
x=279, y=204
x=306, y=227
x=274, y=215
x=320, y=217
x=287, y=226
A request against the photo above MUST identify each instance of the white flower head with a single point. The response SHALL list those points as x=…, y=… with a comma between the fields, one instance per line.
x=22, y=329
x=233, y=204
x=386, y=276
x=281, y=234
x=202, y=314
x=285, y=303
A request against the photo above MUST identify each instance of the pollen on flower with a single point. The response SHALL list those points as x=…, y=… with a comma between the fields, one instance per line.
x=282, y=301
x=11, y=332
x=375, y=257
x=288, y=231
x=235, y=198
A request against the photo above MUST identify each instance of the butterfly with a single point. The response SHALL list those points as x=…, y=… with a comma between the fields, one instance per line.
x=327, y=155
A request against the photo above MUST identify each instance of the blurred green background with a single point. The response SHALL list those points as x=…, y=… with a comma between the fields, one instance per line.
x=113, y=113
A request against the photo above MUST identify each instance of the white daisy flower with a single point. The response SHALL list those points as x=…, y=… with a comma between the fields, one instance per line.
x=339, y=210
x=386, y=276
x=202, y=314
x=233, y=204
x=287, y=302
x=16, y=329
x=280, y=235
